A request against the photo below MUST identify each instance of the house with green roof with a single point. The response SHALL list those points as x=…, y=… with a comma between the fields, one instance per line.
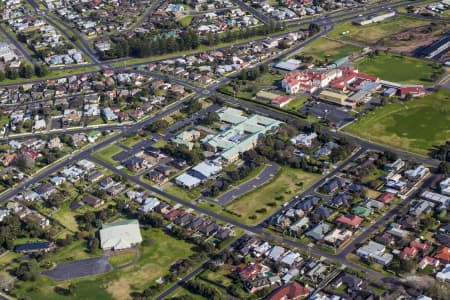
x=362, y=211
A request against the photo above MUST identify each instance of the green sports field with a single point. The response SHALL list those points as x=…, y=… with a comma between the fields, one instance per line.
x=402, y=69
x=414, y=126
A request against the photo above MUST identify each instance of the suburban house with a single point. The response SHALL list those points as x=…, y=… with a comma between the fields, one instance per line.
x=376, y=252
x=93, y=201
x=290, y=291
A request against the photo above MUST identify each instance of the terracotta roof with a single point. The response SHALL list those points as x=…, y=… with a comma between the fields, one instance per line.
x=386, y=197
x=290, y=291
x=443, y=254
x=350, y=220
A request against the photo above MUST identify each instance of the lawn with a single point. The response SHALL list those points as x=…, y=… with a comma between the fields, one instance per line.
x=131, y=140
x=370, y=34
x=120, y=259
x=153, y=264
x=400, y=69
x=107, y=153
x=66, y=217
x=323, y=48
x=284, y=186
x=296, y=104
x=185, y=21
x=159, y=144
x=183, y=193
x=414, y=126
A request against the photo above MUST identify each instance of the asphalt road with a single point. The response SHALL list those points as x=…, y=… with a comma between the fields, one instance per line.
x=265, y=176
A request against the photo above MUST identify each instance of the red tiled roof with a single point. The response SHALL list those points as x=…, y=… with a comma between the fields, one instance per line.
x=428, y=261
x=409, y=252
x=249, y=271
x=281, y=100
x=419, y=245
x=290, y=291
x=443, y=254
x=350, y=220
x=411, y=90
x=386, y=197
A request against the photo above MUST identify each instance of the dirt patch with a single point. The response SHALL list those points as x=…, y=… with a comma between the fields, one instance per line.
x=409, y=40
x=120, y=289
x=137, y=278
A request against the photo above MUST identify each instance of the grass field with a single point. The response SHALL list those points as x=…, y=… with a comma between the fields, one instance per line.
x=374, y=32
x=323, y=48
x=401, y=69
x=414, y=126
x=296, y=104
x=154, y=263
x=285, y=184
x=107, y=153
x=120, y=259
x=130, y=141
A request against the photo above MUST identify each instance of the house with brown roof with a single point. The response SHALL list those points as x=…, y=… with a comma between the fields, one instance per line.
x=290, y=291
x=93, y=201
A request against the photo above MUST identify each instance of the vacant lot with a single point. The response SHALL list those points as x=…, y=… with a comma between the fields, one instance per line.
x=414, y=126
x=323, y=48
x=371, y=34
x=400, y=69
x=258, y=204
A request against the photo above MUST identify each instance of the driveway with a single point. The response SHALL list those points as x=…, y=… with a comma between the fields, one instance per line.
x=266, y=175
x=80, y=268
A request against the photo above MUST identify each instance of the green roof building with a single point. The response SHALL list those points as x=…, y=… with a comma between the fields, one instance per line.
x=362, y=211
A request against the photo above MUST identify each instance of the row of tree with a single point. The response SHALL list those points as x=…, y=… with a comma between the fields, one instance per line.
x=24, y=71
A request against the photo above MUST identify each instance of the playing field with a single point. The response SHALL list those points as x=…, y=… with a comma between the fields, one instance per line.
x=414, y=126
x=323, y=48
x=402, y=69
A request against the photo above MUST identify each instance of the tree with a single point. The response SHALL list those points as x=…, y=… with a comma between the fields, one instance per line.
x=158, y=125
x=2, y=76
x=313, y=29
x=26, y=71
x=11, y=73
x=41, y=70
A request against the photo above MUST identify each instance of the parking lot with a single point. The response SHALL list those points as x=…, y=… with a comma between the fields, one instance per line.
x=338, y=116
x=80, y=268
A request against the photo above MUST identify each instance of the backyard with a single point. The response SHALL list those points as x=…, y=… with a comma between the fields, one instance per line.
x=414, y=126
